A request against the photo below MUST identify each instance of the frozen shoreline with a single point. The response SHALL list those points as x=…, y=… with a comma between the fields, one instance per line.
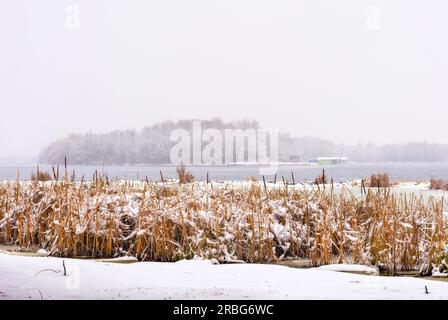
x=23, y=278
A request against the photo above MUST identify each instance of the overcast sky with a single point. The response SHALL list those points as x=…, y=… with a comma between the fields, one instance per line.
x=348, y=70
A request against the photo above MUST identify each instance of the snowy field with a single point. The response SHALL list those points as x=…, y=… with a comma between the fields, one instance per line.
x=23, y=277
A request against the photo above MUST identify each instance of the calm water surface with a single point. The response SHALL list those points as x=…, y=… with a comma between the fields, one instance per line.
x=340, y=173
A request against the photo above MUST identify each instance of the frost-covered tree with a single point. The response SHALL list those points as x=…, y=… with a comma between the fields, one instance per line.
x=152, y=145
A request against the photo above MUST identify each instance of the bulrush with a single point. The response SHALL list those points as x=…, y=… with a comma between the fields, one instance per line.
x=248, y=221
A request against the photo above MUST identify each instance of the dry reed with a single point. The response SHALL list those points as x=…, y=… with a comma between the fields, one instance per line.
x=183, y=175
x=438, y=184
x=40, y=176
x=380, y=181
x=321, y=179
x=247, y=222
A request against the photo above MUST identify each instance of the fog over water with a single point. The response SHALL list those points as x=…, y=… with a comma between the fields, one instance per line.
x=348, y=71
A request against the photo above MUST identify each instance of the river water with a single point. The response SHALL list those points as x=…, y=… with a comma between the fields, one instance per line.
x=340, y=173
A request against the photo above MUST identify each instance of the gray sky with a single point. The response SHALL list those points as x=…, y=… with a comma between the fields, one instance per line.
x=348, y=70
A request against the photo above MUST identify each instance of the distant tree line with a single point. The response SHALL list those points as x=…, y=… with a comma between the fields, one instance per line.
x=408, y=152
x=152, y=145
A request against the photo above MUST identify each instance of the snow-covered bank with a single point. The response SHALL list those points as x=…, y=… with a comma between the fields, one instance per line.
x=42, y=278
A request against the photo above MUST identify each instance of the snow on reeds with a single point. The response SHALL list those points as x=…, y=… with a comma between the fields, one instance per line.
x=248, y=222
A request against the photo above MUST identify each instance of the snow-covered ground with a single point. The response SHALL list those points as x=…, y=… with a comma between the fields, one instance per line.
x=23, y=277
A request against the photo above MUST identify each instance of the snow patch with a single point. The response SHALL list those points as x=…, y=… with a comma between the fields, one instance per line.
x=351, y=268
x=199, y=279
